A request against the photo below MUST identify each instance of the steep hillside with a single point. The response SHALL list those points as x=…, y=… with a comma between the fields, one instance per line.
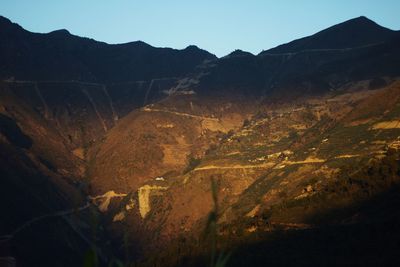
x=82, y=86
x=163, y=138
x=58, y=95
x=292, y=141
x=299, y=165
x=164, y=157
x=40, y=176
x=315, y=64
x=60, y=55
x=353, y=33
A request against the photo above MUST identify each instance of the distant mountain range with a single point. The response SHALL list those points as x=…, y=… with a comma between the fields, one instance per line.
x=107, y=149
x=59, y=55
x=353, y=50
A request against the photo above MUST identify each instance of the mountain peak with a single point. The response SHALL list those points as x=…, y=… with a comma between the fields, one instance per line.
x=195, y=50
x=239, y=53
x=361, y=23
x=361, y=18
x=4, y=20
x=6, y=24
x=192, y=47
x=352, y=33
x=60, y=32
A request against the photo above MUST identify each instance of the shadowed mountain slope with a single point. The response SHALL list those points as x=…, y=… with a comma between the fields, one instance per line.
x=82, y=86
x=353, y=33
x=123, y=141
x=354, y=50
x=59, y=55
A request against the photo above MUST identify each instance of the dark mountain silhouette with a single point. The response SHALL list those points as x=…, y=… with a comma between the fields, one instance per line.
x=353, y=33
x=350, y=51
x=59, y=55
x=239, y=53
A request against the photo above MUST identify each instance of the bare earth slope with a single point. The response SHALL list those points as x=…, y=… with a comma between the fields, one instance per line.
x=149, y=154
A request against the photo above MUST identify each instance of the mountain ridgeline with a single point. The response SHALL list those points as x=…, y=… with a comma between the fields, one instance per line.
x=354, y=50
x=61, y=56
x=128, y=151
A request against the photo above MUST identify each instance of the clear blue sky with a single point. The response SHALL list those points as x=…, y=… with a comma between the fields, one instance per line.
x=219, y=26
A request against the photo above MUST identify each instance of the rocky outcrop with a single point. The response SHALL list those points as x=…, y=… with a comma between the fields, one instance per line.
x=144, y=195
